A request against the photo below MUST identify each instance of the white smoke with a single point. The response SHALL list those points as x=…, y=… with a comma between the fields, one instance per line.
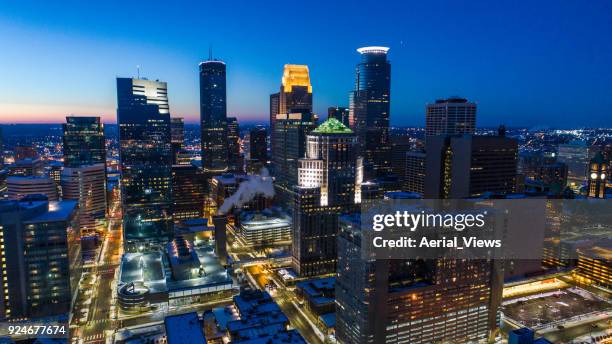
x=256, y=184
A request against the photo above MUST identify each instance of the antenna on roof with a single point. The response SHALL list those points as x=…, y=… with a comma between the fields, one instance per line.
x=210, y=52
x=138, y=71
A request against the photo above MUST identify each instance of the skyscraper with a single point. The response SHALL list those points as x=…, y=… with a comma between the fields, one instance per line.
x=177, y=134
x=369, y=111
x=258, y=144
x=145, y=150
x=328, y=184
x=235, y=161
x=469, y=166
x=412, y=301
x=83, y=178
x=83, y=141
x=452, y=116
x=188, y=192
x=289, y=140
x=41, y=257
x=414, y=179
x=295, y=95
x=213, y=116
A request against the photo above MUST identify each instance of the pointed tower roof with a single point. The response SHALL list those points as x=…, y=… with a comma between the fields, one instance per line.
x=332, y=126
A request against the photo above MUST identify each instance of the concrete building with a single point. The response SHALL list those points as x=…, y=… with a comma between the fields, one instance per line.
x=41, y=257
x=412, y=301
x=328, y=185
x=469, y=166
x=87, y=186
x=18, y=187
x=452, y=116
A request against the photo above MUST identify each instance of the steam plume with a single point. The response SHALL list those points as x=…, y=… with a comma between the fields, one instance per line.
x=257, y=184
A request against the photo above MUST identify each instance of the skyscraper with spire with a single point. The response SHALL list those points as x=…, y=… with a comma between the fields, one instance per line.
x=213, y=116
x=369, y=111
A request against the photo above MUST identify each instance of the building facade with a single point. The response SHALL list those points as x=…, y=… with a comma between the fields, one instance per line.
x=289, y=143
x=412, y=301
x=87, y=186
x=452, y=116
x=42, y=268
x=235, y=160
x=18, y=187
x=295, y=95
x=145, y=150
x=469, y=166
x=369, y=111
x=188, y=192
x=213, y=116
x=84, y=142
x=177, y=137
x=328, y=185
x=339, y=113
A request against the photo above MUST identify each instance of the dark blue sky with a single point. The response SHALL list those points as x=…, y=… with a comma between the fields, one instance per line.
x=525, y=62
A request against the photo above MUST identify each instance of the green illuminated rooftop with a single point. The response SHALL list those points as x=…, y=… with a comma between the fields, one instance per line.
x=332, y=126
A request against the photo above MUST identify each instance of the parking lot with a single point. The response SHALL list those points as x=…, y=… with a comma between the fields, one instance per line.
x=554, y=307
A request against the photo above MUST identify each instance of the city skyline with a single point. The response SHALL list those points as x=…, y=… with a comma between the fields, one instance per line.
x=559, y=60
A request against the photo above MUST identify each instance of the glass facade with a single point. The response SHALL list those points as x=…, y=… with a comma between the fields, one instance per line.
x=213, y=116
x=235, y=162
x=83, y=141
x=369, y=111
x=146, y=161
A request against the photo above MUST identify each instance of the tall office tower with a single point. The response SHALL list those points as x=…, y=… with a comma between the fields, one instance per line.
x=295, y=95
x=412, y=301
x=339, y=113
x=400, y=145
x=177, y=137
x=452, y=116
x=369, y=111
x=328, y=184
x=289, y=140
x=469, y=166
x=598, y=176
x=235, y=161
x=41, y=257
x=213, y=117
x=258, y=144
x=84, y=175
x=414, y=179
x=576, y=156
x=145, y=151
x=87, y=186
x=83, y=141
x=18, y=187
x=188, y=192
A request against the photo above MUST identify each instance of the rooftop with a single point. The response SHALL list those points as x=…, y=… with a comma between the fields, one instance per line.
x=373, y=50
x=184, y=329
x=289, y=337
x=332, y=126
x=58, y=211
